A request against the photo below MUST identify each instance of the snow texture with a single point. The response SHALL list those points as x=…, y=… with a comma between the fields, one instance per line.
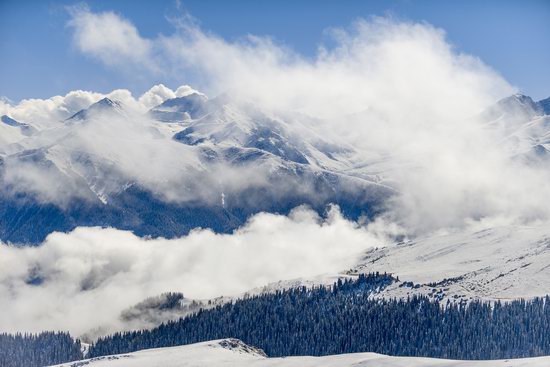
x=232, y=352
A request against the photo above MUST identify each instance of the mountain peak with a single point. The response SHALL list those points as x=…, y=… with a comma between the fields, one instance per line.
x=518, y=98
x=190, y=106
x=520, y=105
x=103, y=105
x=26, y=129
x=193, y=98
x=9, y=121
x=107, y=102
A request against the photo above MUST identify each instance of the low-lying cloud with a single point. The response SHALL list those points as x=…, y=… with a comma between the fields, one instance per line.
x=84, y=279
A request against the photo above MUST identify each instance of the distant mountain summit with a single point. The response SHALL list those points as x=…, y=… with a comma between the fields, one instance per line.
x=522, y=105
x=179, y=109
x=25, y=129
x=105, y=105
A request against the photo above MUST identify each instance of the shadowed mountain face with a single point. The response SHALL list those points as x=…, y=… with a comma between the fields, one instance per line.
x=25, y=129
x=26, y=220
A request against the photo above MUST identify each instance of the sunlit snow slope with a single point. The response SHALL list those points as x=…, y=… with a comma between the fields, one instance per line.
x=489, y=262
x=232, y=352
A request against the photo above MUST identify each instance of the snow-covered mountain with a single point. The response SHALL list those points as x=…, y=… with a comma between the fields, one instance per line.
x=493, y=262
x=12, y=132
x=233, y=352
x=181, y=109
x=523, y=124
x=193, y=161
x=215, y=163
x=103, y=106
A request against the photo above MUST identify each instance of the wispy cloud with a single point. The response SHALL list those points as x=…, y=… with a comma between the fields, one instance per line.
x=372, y=61
x=109, y=37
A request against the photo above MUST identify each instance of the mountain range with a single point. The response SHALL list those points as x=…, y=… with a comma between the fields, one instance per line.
x=293, y=163
x=95, y=185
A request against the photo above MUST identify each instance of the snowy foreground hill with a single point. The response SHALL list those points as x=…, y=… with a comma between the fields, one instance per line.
x=233, y=352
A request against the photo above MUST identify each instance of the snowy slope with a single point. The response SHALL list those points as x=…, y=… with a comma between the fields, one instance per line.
x=231, y=352
x=523, y=124
x=494, y=262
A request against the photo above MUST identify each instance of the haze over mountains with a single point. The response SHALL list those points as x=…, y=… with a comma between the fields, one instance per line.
x=194, y=162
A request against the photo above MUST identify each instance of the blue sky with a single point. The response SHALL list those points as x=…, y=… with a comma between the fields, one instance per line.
x=39, y=59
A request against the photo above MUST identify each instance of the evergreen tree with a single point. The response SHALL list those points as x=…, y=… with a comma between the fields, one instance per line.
x=346, y=319
x=35, y=350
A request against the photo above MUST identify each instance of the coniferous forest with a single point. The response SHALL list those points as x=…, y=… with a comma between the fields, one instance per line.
x=344, y=318
x=35, y=350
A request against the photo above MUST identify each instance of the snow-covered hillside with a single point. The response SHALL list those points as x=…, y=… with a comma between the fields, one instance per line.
x=491, y=262
x=232, y=352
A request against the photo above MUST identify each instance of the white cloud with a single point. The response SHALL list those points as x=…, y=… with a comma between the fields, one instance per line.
x=396, y=91
x=85, y=278
x=185, y=90
x=377, y=62
x=108, y=37
x=51, y=111
x=156, y=95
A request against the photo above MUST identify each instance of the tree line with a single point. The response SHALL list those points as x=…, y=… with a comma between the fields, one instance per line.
x=343, y=318
x=346, y=319
x=35, y=350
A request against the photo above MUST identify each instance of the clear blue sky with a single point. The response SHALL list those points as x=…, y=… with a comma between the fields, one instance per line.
x=39, y=61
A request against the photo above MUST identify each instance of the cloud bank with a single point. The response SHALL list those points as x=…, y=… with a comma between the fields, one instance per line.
x=84, y=279
x=374, y=62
